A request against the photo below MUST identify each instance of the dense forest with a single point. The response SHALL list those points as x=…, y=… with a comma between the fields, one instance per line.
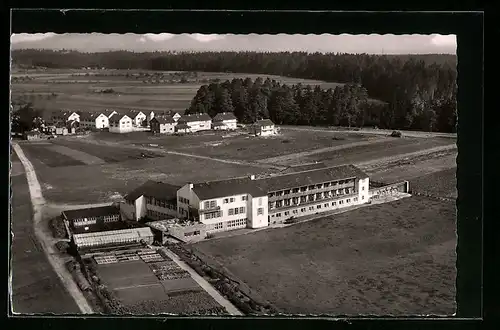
x=418, y=91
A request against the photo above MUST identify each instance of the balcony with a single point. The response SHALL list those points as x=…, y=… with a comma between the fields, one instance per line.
x=317, y=201
x=312, y=191
x=210, y=209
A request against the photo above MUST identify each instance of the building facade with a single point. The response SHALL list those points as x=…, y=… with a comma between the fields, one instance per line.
x=138, y=118
x=263, y=127
x=248, y=202
x=91, y=216
x=162, y=125
x=196, y=122
x=224, y=121
x=94, y=121
x=120, y=124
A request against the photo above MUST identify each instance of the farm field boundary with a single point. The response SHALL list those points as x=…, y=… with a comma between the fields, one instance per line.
x=385, y=132
x=78, y=155
x=286, y=158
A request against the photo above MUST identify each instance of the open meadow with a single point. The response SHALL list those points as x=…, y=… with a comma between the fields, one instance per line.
x=396, y=258
x=141, y=90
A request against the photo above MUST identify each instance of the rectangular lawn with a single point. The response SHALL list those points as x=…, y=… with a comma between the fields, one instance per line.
x=396, y=258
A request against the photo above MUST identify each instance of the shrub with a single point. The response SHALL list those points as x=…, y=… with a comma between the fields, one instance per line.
x=396, y=134
x=62, y=246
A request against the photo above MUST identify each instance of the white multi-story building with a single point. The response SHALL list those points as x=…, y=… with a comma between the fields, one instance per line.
x=139, y=119
x=120, y=124
x=224, y=121
x=194, y=123
x=263, y=127
x=94, y=120
x=248, y=202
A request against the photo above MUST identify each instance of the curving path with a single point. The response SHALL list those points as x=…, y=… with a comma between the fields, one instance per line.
x=44, y=238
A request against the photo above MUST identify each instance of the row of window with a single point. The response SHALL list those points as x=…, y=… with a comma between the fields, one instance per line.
x=192, y=233
x=160, y=202
x=183, y=200
x=325, y=205
x=156, y=215
x=213, y=215
x=236, y=210
x=232, y=199
x=210, y=204
x=310, y=187
x=237, y=223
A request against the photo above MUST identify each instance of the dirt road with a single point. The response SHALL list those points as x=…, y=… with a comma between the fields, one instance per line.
x=204, y=284
x=370, y=131
x=46, y=241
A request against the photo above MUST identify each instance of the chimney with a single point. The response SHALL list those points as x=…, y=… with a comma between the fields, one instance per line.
x=252, y=177
x=191, y=186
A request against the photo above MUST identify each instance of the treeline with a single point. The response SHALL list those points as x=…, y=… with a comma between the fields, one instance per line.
x=346, y=105
x=410, y=84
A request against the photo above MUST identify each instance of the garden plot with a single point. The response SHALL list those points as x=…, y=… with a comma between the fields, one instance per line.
x=43, y=156
x=131, y=295
x=168, y=270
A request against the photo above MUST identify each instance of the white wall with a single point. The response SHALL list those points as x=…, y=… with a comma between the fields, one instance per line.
x=101, y=121
x=140, y=207
x=363, y=190
x=255, y=220
x=124, y=126
x=137, y=121
x=74, y=116
x=231, y=124
x=200, y=125
x=186, y=192
x=163, y=210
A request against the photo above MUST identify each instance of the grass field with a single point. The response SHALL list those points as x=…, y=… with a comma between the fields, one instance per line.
x=441, y=184
x=393, y=259
x=79, y=92
x=36, y=287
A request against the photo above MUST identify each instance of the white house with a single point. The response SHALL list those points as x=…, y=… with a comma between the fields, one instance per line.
x=264, y=127
x=162, y=125
x=154, y=200
x=94, y=120
x=120, y=124
x=64, y=116
x=224, y=121
x=138, y=118
x=196, y=122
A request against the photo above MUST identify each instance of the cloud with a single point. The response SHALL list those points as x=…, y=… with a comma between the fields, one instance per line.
x=158, y=36
x=21, y=37
x=444, y=40
x=206, y=37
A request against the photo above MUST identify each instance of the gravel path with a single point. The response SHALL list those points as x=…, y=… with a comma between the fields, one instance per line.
x=45, y=238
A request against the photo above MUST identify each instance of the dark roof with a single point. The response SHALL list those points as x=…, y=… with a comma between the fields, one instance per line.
x=158, y=190
x=91, y=212
x=106, y=226
x=224, y=116
x=264, y=122
x=229, y=187
x=304, y=178
x=107, y=112
x=116, y=118
x=163, y=120
x=304, y=167
x=132, y=113
x=195, y=117
x=182, y=126
x=88, y=116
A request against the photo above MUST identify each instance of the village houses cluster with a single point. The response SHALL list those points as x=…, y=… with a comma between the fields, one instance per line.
x=69, y=122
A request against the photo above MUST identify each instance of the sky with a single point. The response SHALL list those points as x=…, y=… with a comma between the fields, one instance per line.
x=344, y=43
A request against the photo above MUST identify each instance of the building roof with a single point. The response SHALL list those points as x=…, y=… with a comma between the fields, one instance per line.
x=264, y=122
x=218, y=123
x=133, y=113
x=108, y=112
x=102, y=227
x=88, y=116
x=305, y=178
x=91, y=212
x=110, y=236
x=304, y=167
x=163, y=120
x=224, y=116
x=195, y=117
x=229, y=187
x=117, y=118
x=158, y=190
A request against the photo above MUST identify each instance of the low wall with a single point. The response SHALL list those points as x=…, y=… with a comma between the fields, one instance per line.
x=399, y=187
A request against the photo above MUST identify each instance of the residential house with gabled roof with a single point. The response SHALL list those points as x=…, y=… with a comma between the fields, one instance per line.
x=139, y=119
x=162, y=125
x=94, y=120
x=194, y=123
x=263, y=127
x=65, y=116
x=224, y=121
x=120, y=124
x=176, y=116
